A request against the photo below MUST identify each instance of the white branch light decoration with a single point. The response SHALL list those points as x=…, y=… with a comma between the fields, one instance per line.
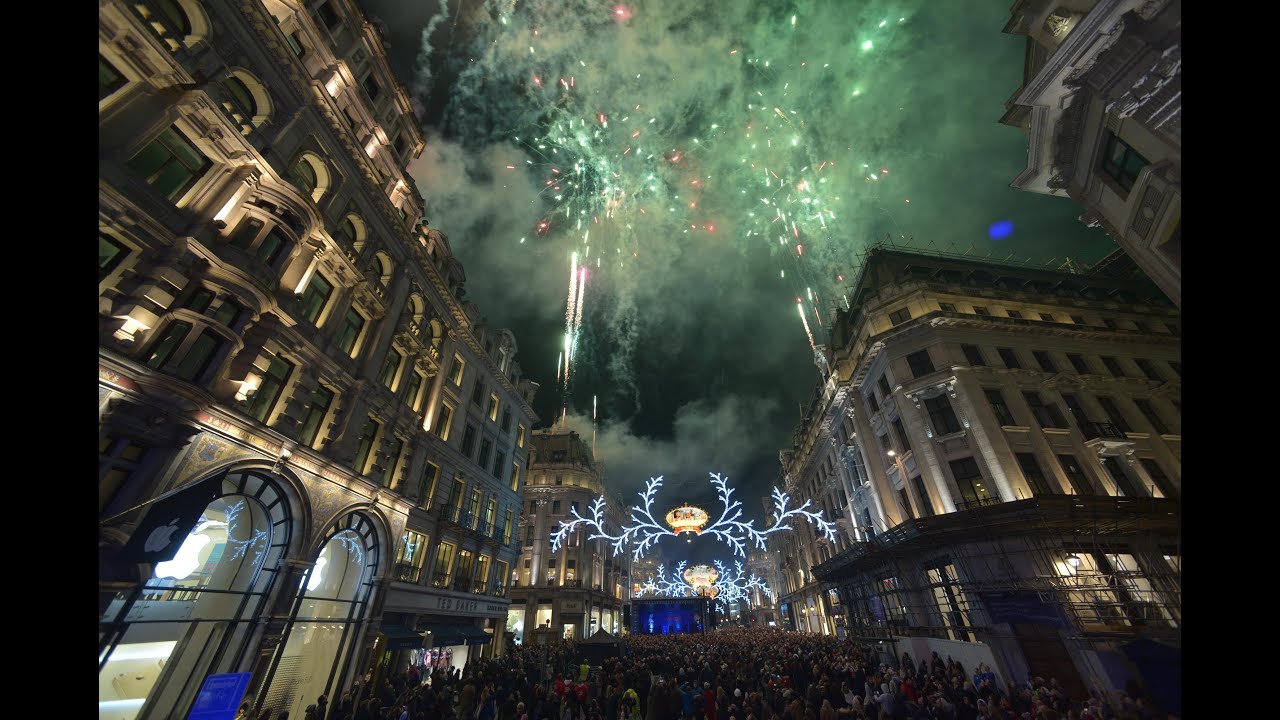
x=729, y=528
x=731, y=586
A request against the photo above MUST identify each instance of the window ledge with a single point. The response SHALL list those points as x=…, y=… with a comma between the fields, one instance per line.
x=1015, y=428
x=1171, y=437
x=1056, y=431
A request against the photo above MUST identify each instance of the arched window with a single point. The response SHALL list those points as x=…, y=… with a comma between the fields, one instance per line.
x=383, y=266
x=310, y=175
x=197, y=612
x=245, y=100
x=417, y=309
x=335, y=597
x=303, y=176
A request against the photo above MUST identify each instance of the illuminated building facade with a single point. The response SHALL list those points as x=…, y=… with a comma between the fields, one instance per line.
x=1004, y=443
x=309, y=443
x=762, y=609
x=579, y=588
x=1101, y=104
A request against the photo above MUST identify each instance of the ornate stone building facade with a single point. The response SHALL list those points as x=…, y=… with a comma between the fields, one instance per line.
x=309, y=444
x=1101, y=103
x=582, y=587
x=1009, y=443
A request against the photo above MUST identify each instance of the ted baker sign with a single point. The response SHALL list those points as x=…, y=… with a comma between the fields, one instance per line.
x=458, y=605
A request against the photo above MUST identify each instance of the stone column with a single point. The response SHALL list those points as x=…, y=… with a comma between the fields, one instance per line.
x=880, y=485
x=964, y=391
x=920, y=435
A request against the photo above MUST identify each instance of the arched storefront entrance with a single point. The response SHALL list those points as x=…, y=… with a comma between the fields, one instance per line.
x=322, y=637
x=197, y=612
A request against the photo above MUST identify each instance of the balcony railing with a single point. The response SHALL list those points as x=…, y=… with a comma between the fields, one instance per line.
x=440, y=580
x=480, y=587
x=407, y=573
x=981, y=502
x=461, y=582
x=500, y=590
x=1101, y=431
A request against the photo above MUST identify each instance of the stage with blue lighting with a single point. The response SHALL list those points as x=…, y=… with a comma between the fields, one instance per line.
x=671, y=616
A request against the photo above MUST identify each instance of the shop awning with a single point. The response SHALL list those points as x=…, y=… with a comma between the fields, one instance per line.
x=400, y=637
x=442, y=634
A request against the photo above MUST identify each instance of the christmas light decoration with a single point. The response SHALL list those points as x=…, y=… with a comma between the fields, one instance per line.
x=729, y=528
x=720, y=583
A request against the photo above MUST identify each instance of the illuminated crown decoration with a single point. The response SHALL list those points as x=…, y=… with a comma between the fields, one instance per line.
x=687, y=519
x=723, y=585
x=729, y=528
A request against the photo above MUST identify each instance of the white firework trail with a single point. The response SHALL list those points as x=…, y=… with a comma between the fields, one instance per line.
x=805, y=320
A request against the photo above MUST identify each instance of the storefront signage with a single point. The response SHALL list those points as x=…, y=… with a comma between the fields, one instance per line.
x=116, y=379
x=458, y=605
x=219, y=697
x=571, y=606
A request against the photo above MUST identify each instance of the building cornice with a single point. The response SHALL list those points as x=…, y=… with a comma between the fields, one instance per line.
x=1076, y=43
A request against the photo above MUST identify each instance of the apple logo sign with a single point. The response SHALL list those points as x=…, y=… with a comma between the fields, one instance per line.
x=186, y=561
x=160, y=538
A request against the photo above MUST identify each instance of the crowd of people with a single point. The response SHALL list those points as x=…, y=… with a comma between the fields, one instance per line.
x=728, y=674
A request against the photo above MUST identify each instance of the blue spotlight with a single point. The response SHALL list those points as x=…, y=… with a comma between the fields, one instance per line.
x=1000, y=229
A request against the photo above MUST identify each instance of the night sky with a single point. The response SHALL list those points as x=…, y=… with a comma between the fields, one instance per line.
x=773, y=142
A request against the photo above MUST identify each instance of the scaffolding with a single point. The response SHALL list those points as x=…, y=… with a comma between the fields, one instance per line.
x=1102, y=571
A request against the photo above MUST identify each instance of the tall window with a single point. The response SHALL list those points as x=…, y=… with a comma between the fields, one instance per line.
x=391, y=368
x=926, y=505
x=1121, y=162
x=1078, y=362
x=515, y=477
x=444, y=565
x=455, y=372
x=520, y=435
x=897, y=317
x=455, y=499
x=493, y=407
x=499, y=464
x=941, y=416
x=171, y=164
x=1076, y=410
x=317, y=411
x=871, y=401
x=1118, y=475
x=1075, y=475
x=973, y=355
x=506, y=420
x=416, y=381
x=508, y=528
x=314, y=297
x=349, y=333
x=1148, y=370
x=1044, y=361
x=1159, y=477
x=1149, y=412
x=1031, y=470
x=973, y=488
x=477, y=391
x=482, y=575
x=952, y=604
x=164, y=348
x=490, y=515
x=203, y=352
x=901, y=435
x=473, y=512
x=364, y=448
x=555, y=507
x=500, y=578
x=273, y=381
x=111, y=253
x=947, y=307
x=996, y=400
x=1047, y=414
x=395, y=447
x=1009, y=358
x=469, y=440
x=979, y=310
x=444, y=421
x=411, y=556
x=1015, y=314
x=427, y=488
x=1113, y=413
x=371, y=87
x=1047, y=317
x=109, y=78
x=1113, y=366
x=883, y=384
x=485, y=446
x=920, y=363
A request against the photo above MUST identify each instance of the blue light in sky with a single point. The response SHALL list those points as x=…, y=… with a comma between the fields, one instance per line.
x=1000, y=229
